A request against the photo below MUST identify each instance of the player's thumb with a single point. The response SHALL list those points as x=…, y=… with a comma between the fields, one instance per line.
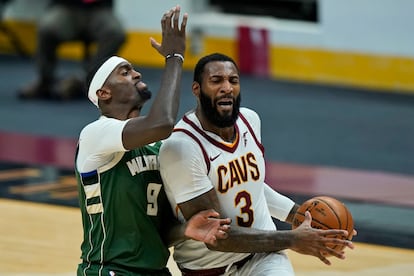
x=155, y=44
x=308, y=218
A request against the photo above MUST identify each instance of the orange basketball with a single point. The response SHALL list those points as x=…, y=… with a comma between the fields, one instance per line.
x=327, y=213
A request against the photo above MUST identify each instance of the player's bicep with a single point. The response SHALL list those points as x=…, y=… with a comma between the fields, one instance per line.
x=107, y=136
x=144, y=130
x=183, y=170
x=97, y=144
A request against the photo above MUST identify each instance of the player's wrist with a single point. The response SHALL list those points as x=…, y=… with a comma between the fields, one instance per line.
x=187, y=231
x=175, y=56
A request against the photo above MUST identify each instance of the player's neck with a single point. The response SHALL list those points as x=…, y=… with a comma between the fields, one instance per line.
x=120, y=112
x=228, y=134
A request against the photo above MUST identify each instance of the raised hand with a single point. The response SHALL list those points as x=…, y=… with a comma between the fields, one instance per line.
x=173, y=33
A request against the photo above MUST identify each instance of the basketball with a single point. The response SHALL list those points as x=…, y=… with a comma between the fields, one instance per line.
x=327, y=213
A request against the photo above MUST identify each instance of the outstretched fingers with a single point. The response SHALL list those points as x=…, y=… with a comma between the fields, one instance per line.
x=218, y=226
x=223, y=228
x=323, y=258
x=328, y=243
x=336, y=237
x=207, y=226
x=176, y=17
x=165, y=23
x=166, y=18
x=173, y=33
x=183, y=23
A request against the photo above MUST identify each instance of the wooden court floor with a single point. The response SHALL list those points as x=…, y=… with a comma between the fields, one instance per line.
x=43, y=239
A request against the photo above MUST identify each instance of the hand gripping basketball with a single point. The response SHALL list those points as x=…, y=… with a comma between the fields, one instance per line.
x=327, y=213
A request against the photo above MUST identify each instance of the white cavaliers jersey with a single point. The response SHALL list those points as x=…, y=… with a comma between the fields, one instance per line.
x=193, y=161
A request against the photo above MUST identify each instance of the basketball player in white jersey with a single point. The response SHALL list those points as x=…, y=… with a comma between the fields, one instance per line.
x=214, y=159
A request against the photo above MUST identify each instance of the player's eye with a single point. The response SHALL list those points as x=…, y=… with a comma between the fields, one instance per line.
x=215, y=80
x=234, y=80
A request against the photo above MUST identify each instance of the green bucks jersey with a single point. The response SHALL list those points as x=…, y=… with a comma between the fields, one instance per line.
x=114, y=232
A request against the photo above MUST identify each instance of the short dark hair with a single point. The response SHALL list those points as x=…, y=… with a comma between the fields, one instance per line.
x=199, y=68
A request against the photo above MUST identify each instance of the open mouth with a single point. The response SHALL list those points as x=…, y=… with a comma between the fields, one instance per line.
x=225, y=104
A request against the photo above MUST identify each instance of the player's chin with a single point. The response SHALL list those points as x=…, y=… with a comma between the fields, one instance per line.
x=145, y=94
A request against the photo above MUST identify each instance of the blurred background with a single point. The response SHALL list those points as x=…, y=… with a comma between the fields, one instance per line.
x=332, y=80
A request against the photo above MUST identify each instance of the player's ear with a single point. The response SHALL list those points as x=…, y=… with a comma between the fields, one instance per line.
x=196, y=88
x=103, y=94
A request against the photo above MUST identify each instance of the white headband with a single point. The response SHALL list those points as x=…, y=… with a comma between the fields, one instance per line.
x=101, y=75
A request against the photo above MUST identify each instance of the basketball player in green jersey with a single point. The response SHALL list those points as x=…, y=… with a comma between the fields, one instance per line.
x=127, y=221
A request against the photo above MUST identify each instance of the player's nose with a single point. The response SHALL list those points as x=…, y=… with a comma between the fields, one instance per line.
x=227, y=87
x=136, y=75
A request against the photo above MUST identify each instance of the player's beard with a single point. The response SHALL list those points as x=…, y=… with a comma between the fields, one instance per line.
x=145, y=94
x=209, y=109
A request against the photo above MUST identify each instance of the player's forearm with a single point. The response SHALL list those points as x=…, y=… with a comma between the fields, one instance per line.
x=175, y=234
x=248, y=240
x=166, y=103
x=279, y=205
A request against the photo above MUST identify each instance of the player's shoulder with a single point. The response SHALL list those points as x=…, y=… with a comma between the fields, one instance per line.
x=179, y=146
x=186, y=125
x=102, y=127
x=182, y=138
x=90, y=128
x=102, y=122
x=177, y=138
x=249, y=114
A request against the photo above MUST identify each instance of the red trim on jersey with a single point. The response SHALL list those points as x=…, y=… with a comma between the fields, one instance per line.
x=261, y=147
x=225, y=147
x=206, y=159
x=222, y=146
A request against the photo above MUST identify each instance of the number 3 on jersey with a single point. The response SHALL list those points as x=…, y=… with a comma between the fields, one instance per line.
x=243, y=199
x=153, y=191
